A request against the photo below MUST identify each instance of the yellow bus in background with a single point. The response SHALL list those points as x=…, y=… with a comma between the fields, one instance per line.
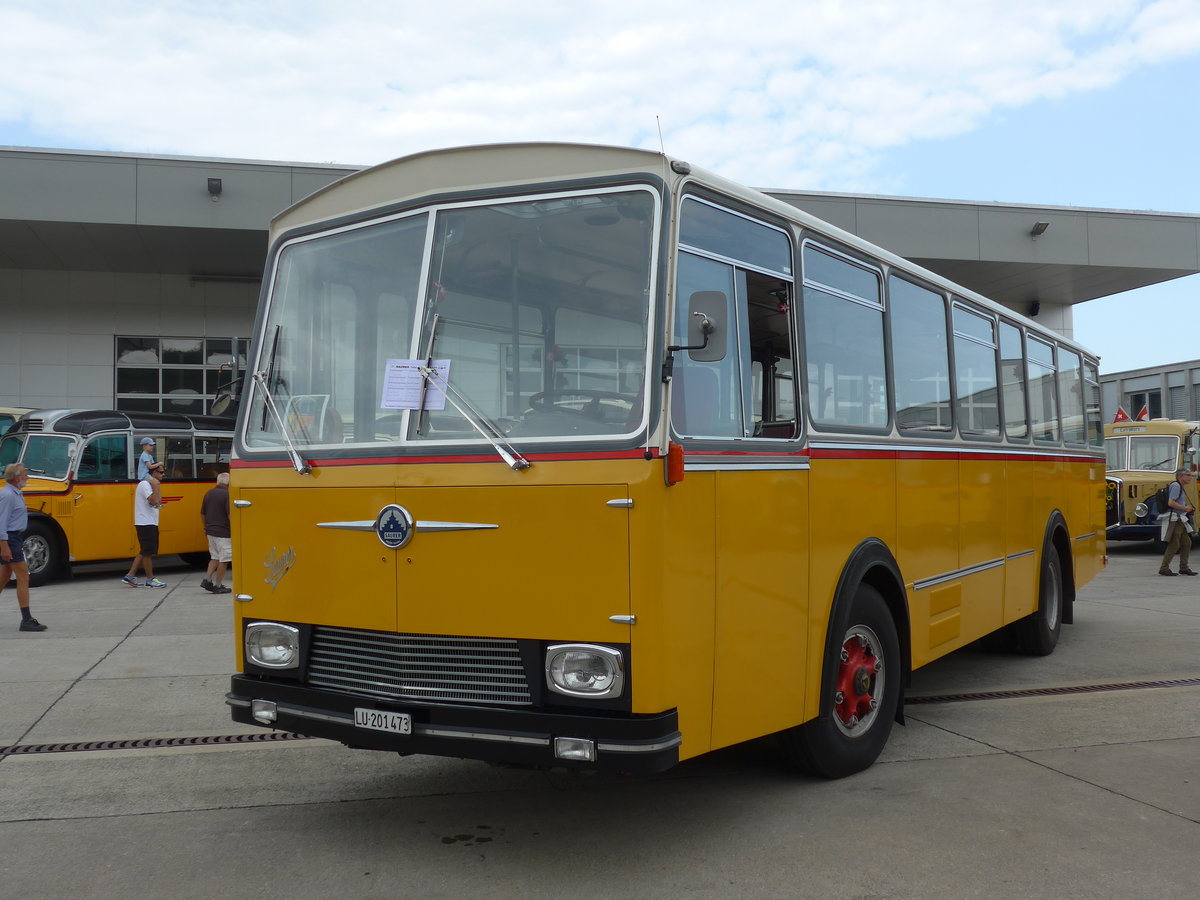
x=82, y=467
x=1142, y=458
x=580, y=456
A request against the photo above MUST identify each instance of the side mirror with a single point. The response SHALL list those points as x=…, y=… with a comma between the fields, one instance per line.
x=223, y=406
x=706, y=340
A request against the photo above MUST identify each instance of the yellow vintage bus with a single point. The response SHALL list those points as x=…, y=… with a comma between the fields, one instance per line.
x=82, y=467
x=581, y=456
x=1142, y=458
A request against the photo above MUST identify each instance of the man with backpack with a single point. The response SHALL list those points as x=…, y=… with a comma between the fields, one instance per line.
x=1177, y=530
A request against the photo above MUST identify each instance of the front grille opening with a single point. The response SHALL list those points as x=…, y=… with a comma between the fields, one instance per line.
x=397, y=666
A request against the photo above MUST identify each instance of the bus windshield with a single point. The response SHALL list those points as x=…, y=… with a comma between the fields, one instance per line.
x=531, y=314
x=1158, y=451
x=42, y=455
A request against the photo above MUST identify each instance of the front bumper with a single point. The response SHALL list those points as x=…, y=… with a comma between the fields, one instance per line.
x=1148, y=532
x=624, y=743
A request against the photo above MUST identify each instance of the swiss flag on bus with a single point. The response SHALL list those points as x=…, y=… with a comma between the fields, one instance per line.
x=1121, y=415
x=1143, y=414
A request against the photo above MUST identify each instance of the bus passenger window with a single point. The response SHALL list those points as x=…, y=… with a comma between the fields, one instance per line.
x=920, y=357
x=1012, y=375
x=178, y=458
x=843, y=328
x=104, y=459
x=975, y=373
x=1043, y=397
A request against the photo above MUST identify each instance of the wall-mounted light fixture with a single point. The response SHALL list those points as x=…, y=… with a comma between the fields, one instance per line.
x=214, y=188
x=1038, y=229
x=1035, y=307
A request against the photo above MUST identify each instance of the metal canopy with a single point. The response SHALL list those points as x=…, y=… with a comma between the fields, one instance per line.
x=101, y=212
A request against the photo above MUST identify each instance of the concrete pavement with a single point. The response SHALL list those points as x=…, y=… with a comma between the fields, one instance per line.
x=1089, y=794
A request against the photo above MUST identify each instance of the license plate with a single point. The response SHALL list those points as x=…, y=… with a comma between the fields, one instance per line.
x=382, y=720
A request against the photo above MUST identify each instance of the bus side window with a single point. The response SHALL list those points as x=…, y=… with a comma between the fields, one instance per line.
x=104, y=459
x=178, y=459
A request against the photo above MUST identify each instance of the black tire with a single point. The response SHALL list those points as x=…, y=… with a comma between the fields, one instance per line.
x=1037, y=634
x=43, y=552
x=196, y=560
x=865, y=686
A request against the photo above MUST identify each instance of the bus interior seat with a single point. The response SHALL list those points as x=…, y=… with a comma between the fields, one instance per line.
x=784, y=428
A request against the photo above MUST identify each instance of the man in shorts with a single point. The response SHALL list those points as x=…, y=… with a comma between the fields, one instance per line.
x=14, y=519
x=214, y=509
x=147, y=500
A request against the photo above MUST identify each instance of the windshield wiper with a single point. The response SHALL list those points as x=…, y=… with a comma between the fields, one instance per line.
x=477, y=420
x=260, y=379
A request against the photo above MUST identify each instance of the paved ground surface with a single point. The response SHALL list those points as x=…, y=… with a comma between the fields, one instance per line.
x=1086, y=794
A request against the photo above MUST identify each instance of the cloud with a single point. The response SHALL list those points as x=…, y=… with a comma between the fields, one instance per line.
x=807, y=94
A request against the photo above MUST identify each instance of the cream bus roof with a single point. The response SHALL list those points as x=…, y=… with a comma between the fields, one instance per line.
x=458, y=169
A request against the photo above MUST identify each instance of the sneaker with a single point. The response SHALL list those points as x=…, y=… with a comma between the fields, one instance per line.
x=221, y=589
x=1186, y=572
x=32, y=625
x=131, y=581
x=206, y=584
x=154, y=582
x=1167, y=572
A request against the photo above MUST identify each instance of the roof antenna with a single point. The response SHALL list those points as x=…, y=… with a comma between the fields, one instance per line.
x=661, y=145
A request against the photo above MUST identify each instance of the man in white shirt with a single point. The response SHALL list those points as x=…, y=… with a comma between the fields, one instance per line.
x=147, y=500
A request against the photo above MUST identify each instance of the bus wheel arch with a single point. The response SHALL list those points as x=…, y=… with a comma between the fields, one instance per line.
x=866, y=663
x=45, y=548
x=1037, y=634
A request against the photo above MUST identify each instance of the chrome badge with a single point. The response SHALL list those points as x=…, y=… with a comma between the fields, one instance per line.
x=394, y=526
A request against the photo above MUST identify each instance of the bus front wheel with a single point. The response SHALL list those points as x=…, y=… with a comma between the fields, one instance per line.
x=864, y=694
x=42, y=553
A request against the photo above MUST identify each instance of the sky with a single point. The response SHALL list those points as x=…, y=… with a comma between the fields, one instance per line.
x=1050, y=102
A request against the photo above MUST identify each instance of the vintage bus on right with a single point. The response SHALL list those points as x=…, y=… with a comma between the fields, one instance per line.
x=1142, y=458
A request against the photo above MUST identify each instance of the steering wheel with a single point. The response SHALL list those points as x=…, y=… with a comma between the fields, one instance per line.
x=551, y=402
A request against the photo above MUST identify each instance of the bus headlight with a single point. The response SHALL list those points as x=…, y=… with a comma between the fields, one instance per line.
x=272, y=645
x=585, y=670
x=1140, y=510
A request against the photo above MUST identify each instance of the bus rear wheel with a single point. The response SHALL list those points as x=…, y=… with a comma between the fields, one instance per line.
x=865, y=691
x=1037, y=634
x=42, y=553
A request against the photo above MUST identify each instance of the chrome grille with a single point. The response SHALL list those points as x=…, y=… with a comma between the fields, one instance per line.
x=417, y=666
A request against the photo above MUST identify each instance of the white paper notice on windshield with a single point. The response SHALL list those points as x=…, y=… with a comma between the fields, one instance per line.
x=402, y=383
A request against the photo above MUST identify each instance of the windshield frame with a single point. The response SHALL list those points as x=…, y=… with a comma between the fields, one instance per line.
x=255, y=441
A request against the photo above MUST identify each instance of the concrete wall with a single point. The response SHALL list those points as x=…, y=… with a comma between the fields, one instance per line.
x=57, y=329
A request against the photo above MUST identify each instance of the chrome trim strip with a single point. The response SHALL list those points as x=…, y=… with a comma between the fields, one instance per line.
x=673, y=741
x=1012, y=556
x=230, y=701
x=360, y=525
x=1088, y=536
x=625, y=503
x=958, y=573
x=480, y=736
x=734, y=466
x=429, y=527
x=421, y=526
x=990, y=449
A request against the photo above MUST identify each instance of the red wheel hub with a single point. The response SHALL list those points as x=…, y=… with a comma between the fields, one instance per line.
x=856, y=678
